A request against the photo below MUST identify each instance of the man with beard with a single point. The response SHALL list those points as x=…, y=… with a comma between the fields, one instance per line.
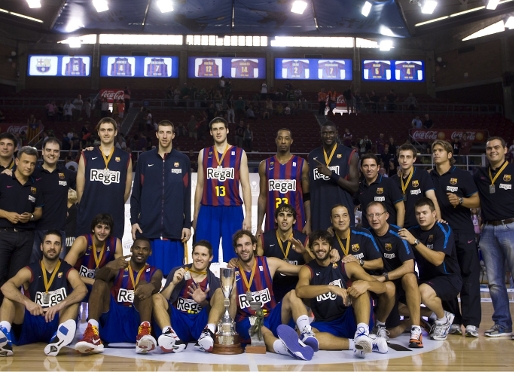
x=333, y=177
x=120, y=304
x=254, y=283
x=284, y=178
x=47, y=308
x=340, y=300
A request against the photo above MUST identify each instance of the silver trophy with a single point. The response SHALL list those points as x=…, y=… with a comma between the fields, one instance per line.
x=227, y=339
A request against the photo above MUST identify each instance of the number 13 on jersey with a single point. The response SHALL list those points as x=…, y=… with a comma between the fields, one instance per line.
x=220, y=191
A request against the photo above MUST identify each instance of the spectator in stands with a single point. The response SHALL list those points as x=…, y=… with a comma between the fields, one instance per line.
x=416, y=123
x=357, y=101
x=365, y=145
x=51, y=110
x=391, y=98
x=297, y=94
x=392, y=146
x=121, y=144
x=105, y=107
x=191, y=127
x=247, y=139
x=87, y=108
x=239, y=106
x=347, y=137
x=115, y=109
x=269, y=109
x=264, y=90
x=287, y=109
x=428, y=122
x=77, y=107
x=231, y=115
x=332, y=100
x=97, y=107
x=31, y=119
x=239, y=134
x=180, y=129
x=280, y=109
x=322, y=101
x=221, y=83
x=465, y=147
x=456, y=148
x=149, y=120
x=348, y=97
x=411, y=102
x=71, y=164
x=126, y=97
x=374, y=100
x=121, y=108
x=184, y=92
x=380, y=144
x=250, y=114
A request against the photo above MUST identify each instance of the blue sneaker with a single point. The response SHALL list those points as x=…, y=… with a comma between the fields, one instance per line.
x=308, y=338
x=5, y=342
x=294, y=346
x=497, y=331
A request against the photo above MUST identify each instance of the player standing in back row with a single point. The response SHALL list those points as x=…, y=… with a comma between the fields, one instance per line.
x=218, y=205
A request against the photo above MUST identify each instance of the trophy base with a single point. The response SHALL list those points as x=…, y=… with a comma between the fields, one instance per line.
x=255, y=349
x=227, y=349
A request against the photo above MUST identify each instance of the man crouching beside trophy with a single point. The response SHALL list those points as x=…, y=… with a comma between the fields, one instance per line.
x=254, y=284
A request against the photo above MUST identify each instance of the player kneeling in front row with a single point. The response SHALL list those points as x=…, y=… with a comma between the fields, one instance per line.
x=47, y=308
x=121, y=302
x=184, y=303
x=253, y=276
x=341, y=307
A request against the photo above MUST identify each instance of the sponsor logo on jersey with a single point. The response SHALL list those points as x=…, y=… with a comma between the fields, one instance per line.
x=188, y=305
x=32, y=199
x=105, y=176
x=176, y=171
x=63, y=183
x=415, y=183
x=415, y=192
x=507, y=177
x=330, y=296
x=453, y=181
x=505, y=186
x=389, y=255
x=317, y=175
x=86, y=272
x=53, y=297
x=355, y=247
x=125, y=295
x=452, y=188
x=281, y=185
x=259, y=296
x=379, y=198
x=220, y=174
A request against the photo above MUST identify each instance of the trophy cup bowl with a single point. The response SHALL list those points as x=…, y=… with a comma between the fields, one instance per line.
x=227, y=340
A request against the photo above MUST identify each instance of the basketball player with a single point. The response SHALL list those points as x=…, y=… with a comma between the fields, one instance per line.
x=160, y=205
x=254, y=283
x=120, y=304
x=104, y=179
x=94, y=250
x=182, y=307
x=218, y=207
x=333, y=177
x=284, y=178
x=341, y=310
x=47, y=308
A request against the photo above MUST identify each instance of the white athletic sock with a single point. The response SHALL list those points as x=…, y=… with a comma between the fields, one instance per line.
x=379, y=323
x=351, y=344
x=302, y=322
x=6, y=325
x=212, y=327
x=443, y=320
x=93, y=322
x=280, y=348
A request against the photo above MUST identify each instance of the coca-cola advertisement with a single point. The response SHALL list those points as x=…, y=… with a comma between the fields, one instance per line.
x=427, y=135
x=14, y=128
x=111, y=94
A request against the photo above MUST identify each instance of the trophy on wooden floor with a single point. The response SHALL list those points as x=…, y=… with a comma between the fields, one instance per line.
x=257, y=345
x=227, y=339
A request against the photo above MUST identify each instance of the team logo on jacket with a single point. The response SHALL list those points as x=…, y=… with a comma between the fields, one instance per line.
x=380, y=190
x=61, y=176
x=507, y=177
x=355, y=247
x=33, y=190
x=117, y=159
x=415, y=183
x=339, y=156
x=430, y=238
x=176, y=164
x=388, y=246
x=453, y=181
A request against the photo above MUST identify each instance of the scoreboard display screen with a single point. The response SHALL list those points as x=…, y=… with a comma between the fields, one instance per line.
x=313, y=69
x=59, y=65
x=395, y=70
x=229, y=67
x=139, y=66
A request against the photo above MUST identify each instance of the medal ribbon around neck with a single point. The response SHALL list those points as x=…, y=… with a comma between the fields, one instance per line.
x=222, y=156
x=493, y=180
x=107, y=159
x=131, y=274
x=47, y=283
x=329, y=159
x=191, y=270
x=286, y=252
x=406, y=184
x=248, y=283
x=95, y=254
x=345, y=248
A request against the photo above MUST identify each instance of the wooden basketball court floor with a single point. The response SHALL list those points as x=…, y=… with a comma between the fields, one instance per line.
x=457, y=353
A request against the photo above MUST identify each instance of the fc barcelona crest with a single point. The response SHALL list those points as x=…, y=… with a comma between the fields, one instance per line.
x=33, y=190
x=388, y=246
x=507, y=177
x=415, y=183
x=339, y=156
x=453, y=181
x=59, y=275
x=355, y=247
x=430, y=238
x=61, y=176
x=43, y=64
x=380, y=190
x=117, y=159
x=176, y=164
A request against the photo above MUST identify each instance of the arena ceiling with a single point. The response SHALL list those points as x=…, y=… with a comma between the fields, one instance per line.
x=236, y=17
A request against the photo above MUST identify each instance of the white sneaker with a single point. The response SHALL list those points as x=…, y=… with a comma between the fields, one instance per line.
x=363, y=343
x=455, y=329
x=206, y=340
x=170, y=343
x=440, y=331
x=379, y=344
x=381, y=331
x=63, y=337
x=471, y=331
